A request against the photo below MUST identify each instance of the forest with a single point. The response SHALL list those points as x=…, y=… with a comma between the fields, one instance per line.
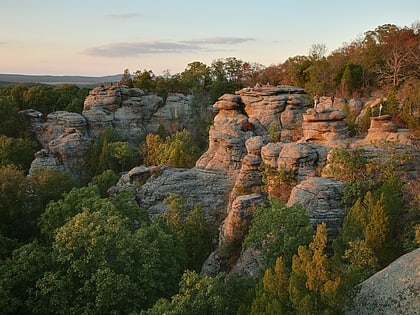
x=66, y=247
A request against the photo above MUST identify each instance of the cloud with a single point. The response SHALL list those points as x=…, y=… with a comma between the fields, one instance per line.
x=128, y=15
x=219, y=40
x=140, y=48
x=131, y=49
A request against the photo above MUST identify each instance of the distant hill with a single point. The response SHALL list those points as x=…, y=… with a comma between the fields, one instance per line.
x=56, y=80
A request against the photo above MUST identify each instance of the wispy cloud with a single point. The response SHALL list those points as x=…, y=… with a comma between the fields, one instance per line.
x=140, y=48
x=128, y=15
x=219, y=40
x=131, y=49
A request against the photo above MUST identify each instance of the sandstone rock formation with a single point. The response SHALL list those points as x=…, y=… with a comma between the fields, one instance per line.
x=394, y=290
x=321, y=197
x=130, y=112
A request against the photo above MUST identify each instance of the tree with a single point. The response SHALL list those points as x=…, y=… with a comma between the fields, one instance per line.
x=272, y=295
x=219, y=295
x=278, y=231
x=144, y=80
x=315, y=282
x=19, y=275
x=126, y=79
x=195, y=233
x=123, y=154
x=16, y=220
x=41, y=98
x=103, y=266
x=17, y=151
x=13, y=124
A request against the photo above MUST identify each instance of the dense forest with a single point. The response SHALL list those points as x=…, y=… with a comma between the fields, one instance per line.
x=66, y=247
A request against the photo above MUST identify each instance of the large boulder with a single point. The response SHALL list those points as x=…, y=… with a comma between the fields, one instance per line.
x=394, y=290
x=321, y=197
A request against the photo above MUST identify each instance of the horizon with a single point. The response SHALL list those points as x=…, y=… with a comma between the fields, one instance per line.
x=108, y=38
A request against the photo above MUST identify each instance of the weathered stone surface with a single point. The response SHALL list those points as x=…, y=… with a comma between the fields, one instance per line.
x=327, y=125
x=127, y=111
x=270, y=153
x=71, y=148
x=240, y=214
x=56, y=123
x=45, y=160
x=227, y=138
x=394, y=290
x=321, y=197
x=249, y=264
x=207, y=188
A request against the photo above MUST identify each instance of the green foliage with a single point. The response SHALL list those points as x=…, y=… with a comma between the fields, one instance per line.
x=177, y=150
x=315, y=282
x=192, y=229
x=105, y=181
x=12, y=124
x=410, y=112
x=278, y=230
x=272, y=295
x=16, y=151
x=275, y=132
x=19, y=275
x=219, y=295
x=58, y=213
x=278, y=182
x=104, y=268
x=346, y=164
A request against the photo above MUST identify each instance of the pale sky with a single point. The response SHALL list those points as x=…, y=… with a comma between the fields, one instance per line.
x=102, y=37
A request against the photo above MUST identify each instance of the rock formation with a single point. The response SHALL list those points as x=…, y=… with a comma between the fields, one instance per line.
x=394, y=290
x=130, y=112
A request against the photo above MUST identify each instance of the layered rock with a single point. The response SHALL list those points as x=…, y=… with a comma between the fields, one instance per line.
x=198, y=187
x=71, y=149
x=393, y=290
x=127, y=110
x=324, y=124
x=227, y=136
x=321, y=197
x=56, y=124
x=45, y=160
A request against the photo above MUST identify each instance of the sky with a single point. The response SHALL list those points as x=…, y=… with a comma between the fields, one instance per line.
x=103, y=37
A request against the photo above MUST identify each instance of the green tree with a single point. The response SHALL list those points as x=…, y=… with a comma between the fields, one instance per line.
x=126, y=79
x=192, y=229
x=123, y=154
x=19, y=275
x=315, y=282
x=178, y=150
x=17, y=151
x=16, y=220
x=104, y=266
x=272, y=295
x=219, y=295
x=104, y=181
x=278, y=230
x=13, y=124
x=41, y=98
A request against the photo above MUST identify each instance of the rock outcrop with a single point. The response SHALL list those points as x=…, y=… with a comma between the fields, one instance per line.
x=130, y=112
x=394, y=290
x=321, y=197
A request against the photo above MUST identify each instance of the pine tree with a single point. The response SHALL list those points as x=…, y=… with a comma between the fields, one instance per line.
x=272, y=296
x=315, y=283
